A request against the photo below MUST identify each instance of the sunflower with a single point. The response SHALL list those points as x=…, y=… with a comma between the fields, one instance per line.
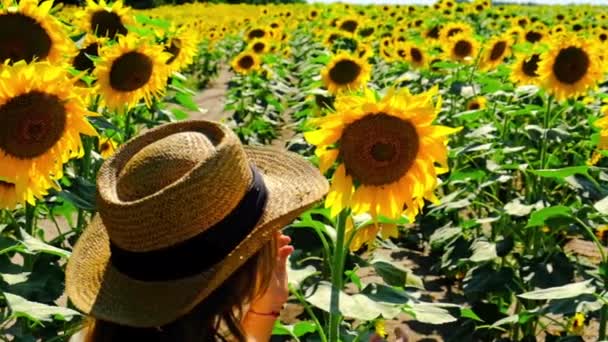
x=90, y=49
x=246, y=62
x=349, y=24
x=497, y=49
x=524, y=70
x=42, y=116
x=387, y=151
x=476, y=103
x=258, y=32
x=28, y=31
x=183, y=47
x=259, y=46
x=570, y=68
x=107, y=147
x=131, y=70
x=345, y=72
x=462, y=48
x=452, y=29
x=105, y=20
x=534, y=36
x=417, y=56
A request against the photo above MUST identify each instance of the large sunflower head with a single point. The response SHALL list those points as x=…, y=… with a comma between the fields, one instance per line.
x=388, y=150
x=246, y=62
x=105, y=20
x=130, y=70
x=29, y=32
x=570, y=68
x=524, y=70
x=42, y=116
x=345, y=72
x=462, y=48
x=497, y=49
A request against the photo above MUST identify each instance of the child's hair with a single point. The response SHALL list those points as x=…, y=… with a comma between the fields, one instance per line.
x=215, y=318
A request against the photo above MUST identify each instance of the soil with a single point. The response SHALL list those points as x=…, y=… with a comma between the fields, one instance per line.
x=213, y=98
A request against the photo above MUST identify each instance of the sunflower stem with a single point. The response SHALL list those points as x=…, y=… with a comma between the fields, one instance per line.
x=30, y=227
x=128, y=132
x=544, y=145
x=337, y=278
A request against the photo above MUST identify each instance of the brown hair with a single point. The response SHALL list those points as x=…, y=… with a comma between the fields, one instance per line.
x=215, y=318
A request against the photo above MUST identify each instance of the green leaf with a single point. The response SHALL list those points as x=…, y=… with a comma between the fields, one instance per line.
x=468, y=313
x=560, y=292
x=179, y=114
x=431, y=313
x=13, y=279
x=38, y=312
x=35, y=246
x=539, y=217
x=563, y=172
x=483, y=251
x=297, y=276
x=395, y=275
x=443, y=235
x=160, y=23
x=187, y=101
x=356, y=306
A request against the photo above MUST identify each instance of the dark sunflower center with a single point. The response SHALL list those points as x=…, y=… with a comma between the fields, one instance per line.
x=22, y=38
x=530, y=66
x=498, y=50
x=454, y=31
x=31, y=123
x=474, y=106
x=401, y=53
x=174, y=49
x=463, y=48
x=130, y=71
x=603, y=37
x=246, y=62
x=366, y=32
x=379, y=149
x=259, y=47
x=416, y=55
x=257, y=33
x=6, y=185
x=533, y=36
x=571, y=65
x=82, y=61
x=433, y=32
x=349, y=26
x=344, y=72
x=107, y=24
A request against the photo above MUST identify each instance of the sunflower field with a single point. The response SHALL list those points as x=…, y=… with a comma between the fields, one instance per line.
x=465, y=144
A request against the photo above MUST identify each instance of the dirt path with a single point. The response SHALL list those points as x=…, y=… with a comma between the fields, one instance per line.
x=213, y=98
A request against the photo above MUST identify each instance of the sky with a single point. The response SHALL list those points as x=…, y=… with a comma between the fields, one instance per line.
x=427, y=2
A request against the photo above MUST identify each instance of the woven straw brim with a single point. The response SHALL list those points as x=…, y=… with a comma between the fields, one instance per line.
x=98, y=289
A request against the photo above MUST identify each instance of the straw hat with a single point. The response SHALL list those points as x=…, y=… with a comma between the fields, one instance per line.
x=181, y=207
